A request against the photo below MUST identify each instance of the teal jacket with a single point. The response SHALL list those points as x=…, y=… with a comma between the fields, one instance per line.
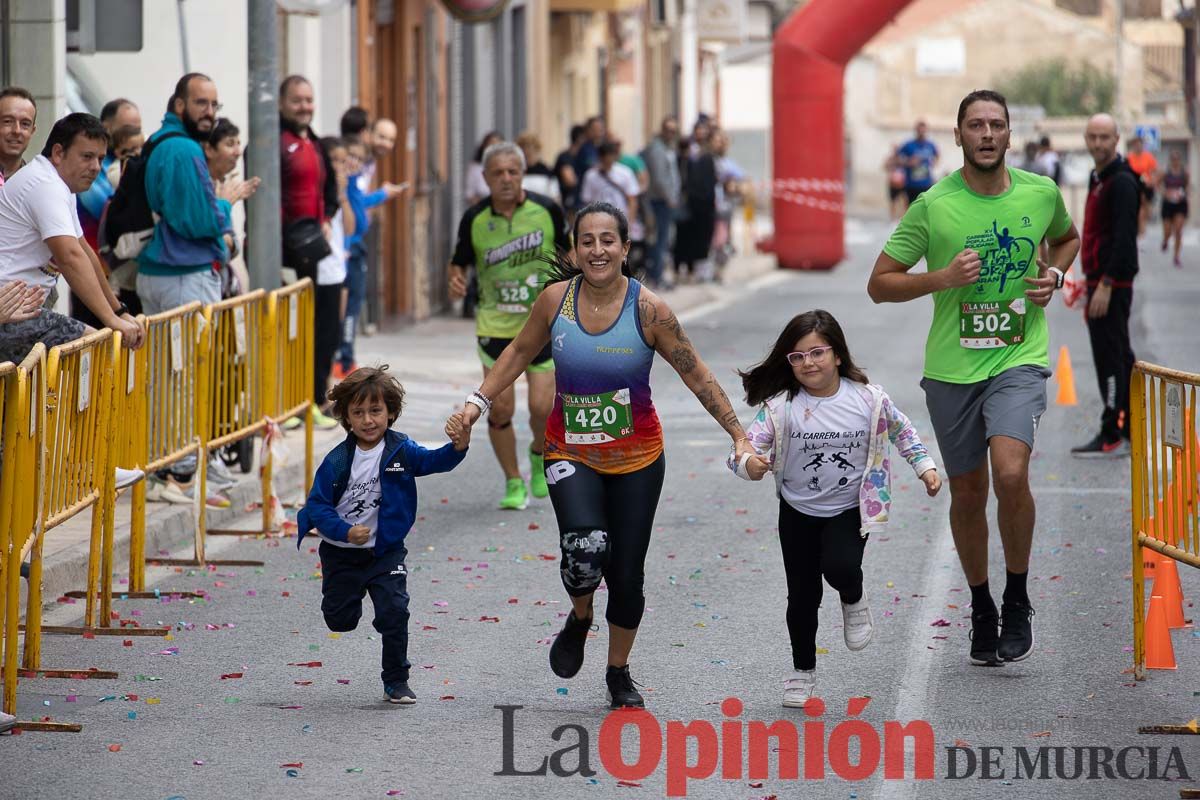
x=188, y=235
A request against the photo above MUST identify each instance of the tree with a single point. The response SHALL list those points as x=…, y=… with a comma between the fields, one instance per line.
x=1061, y=88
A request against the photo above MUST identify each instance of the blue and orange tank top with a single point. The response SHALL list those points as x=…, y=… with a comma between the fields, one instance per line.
x=603, y=415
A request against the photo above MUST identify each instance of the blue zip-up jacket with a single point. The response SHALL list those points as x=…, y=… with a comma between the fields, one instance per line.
x=188, y=237
x=360, y=204
x=403, y=461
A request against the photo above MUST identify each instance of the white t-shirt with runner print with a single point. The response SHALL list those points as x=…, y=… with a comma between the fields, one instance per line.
x=360, y=502
x=827, y=453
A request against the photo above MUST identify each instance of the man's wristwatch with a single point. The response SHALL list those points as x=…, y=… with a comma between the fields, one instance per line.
x=121, y=309
x=1059, y=277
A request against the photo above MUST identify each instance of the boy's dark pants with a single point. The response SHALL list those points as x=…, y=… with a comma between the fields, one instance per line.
x=349, y=574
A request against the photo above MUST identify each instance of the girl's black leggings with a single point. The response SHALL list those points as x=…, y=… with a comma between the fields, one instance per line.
x=604, y=524
x=814, y=547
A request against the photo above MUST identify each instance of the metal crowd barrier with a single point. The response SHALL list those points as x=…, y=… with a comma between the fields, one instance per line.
x=29, y=426
x=1166, y=504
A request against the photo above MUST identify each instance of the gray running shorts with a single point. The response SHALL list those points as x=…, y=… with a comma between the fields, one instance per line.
x=966, y=415
x=49, y=327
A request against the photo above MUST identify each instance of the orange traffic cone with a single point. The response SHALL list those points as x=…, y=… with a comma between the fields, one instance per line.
x=1159, y=652
x=1066, y=379
x=1166, y=586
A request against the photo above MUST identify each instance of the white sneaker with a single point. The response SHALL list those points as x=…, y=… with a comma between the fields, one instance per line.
x=7, y=722
x=128, y=477
x=219, y=476
x=857, y=624
x=799, y=688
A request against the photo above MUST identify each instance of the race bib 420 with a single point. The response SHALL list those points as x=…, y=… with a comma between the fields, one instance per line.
x=983, y=326
x=597, y=418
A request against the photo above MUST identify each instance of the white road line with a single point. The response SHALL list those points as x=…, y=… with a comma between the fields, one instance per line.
x=913, y=695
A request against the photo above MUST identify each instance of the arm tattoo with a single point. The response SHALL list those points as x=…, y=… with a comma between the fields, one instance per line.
x=716, y=402
x=684, y=359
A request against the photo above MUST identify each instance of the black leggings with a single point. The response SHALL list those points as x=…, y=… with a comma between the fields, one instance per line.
x=327, y=333
x=812, y=547
x=604, y=524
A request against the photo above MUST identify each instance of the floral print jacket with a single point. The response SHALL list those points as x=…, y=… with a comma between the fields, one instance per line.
x=769, y=432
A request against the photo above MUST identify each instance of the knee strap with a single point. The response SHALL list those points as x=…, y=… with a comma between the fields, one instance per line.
x=585, y=555
x=498, y=426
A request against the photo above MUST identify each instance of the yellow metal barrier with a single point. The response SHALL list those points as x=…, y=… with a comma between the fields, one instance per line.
x=287, y=342
x=229, y=395
x=10, y=418
x=166, y=377
x=26, y=430
x=1164, y=464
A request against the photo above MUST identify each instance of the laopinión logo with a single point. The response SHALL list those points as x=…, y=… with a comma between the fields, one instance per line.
x=742, y=750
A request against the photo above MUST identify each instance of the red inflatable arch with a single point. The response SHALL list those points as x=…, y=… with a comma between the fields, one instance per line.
x=811, y=50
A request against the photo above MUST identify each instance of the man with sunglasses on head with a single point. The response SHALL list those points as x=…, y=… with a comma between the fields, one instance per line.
x=980, y=230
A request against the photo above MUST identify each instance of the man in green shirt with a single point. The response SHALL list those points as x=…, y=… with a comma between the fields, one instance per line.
x=980, y=231
x=510, y=238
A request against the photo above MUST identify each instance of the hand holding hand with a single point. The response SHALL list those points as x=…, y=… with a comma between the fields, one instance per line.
x=963, y=270
x=358, y=534
x=458, y=431
x=932, y=481
x=133, y=335
x=757, y=467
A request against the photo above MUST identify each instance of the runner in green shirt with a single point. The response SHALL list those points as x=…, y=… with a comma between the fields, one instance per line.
x=510, y=238
x=980, y=231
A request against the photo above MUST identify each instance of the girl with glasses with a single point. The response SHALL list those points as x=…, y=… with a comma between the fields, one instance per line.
x=824, y=432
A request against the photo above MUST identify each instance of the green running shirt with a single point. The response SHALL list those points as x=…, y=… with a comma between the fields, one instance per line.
x=509, y=257
x=981, y=330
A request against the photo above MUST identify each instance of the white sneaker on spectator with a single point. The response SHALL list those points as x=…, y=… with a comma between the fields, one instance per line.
x=176, y=493
x=857, y=624
x=219, y=476
x=7, y=722
x=799, y=687
x=128, y=477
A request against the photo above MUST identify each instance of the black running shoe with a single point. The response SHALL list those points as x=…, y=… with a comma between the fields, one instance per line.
x=1100, y=447
x=620, y=688
x=1016, y=631
x=985, y=638
x=566, y=653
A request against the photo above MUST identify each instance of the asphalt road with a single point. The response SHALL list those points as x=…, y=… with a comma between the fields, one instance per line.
x=486, y=599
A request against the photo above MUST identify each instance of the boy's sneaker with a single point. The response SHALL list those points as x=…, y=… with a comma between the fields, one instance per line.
x=798, y=688
x=1099, y=447
x=621, y=693
x=515, y=496
x=566, y=652
x=292, y=423
x=1016, y=631
x=399, y=693
x=7, y=722
x=857, y=624
x=537, y=476
x=985, y=638
x=323, y=422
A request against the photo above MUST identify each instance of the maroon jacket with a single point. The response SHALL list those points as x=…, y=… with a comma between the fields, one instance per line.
x=308, y=186
x=1110, y=225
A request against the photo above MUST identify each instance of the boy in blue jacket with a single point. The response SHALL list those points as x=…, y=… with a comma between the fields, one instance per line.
x=362, y=504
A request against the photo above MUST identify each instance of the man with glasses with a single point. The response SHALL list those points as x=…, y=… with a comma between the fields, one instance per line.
x=193, y=234
x=980, y=230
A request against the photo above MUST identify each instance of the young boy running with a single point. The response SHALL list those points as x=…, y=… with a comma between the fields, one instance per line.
x=362, y=504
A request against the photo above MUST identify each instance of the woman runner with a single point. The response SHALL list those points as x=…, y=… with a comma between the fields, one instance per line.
x=604, y=443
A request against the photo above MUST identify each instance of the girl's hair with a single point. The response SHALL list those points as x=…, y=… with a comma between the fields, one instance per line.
x=774, y=374
x=364, y=385
x=562, y=263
